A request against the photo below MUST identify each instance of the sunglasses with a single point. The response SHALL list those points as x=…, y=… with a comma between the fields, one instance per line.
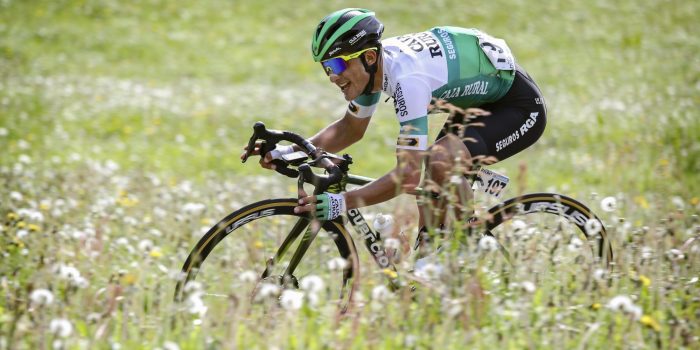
x=339, y=64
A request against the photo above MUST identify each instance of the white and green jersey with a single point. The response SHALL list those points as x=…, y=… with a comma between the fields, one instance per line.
x=465, y=67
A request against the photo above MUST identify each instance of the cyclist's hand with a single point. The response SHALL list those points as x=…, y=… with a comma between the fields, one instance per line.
x=325, y=206
x=266, y=161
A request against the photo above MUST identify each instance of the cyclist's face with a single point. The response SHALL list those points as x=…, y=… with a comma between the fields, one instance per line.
x=353, y=80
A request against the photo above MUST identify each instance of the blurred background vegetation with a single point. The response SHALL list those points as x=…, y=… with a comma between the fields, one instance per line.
x=174, y=87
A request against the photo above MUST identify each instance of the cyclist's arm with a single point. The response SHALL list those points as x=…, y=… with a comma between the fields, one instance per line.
x=405, y=177
x=341, y=133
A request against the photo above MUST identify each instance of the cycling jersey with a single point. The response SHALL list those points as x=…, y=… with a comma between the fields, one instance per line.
x=465, y=67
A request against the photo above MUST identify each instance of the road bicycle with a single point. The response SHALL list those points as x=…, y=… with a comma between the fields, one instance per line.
x=264, y=232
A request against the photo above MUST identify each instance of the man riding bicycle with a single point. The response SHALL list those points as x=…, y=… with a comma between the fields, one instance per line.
x=464, y=67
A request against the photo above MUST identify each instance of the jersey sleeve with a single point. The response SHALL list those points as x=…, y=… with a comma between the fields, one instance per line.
x=364, y=106
x=411, y=99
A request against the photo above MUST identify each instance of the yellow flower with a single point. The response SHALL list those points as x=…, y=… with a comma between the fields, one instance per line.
x=12, y=216
x=156, y=253
x=391, y=273
x=642, y=202
x=128, y=279
x=650, y=322
x=44, y=206
x=21, y=224
x=646, y=282
x=259, y=244
x=694, y=201
x=34, y=227
x=596, y=306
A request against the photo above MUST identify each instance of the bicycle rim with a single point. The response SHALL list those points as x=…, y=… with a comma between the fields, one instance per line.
x=235, y=268
x=586, y=224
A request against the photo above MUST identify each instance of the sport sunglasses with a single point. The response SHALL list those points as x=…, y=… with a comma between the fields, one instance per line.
x=339, y=64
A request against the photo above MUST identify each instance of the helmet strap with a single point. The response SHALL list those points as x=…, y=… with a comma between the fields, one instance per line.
x=371, y=70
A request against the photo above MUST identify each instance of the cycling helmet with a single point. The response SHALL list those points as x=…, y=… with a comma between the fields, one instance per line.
x=345, y=31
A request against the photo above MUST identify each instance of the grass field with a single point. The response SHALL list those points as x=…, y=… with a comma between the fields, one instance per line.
x=121, y=123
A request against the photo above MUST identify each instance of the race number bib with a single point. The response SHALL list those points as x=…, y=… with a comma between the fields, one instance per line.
x=490, y=182
x=497, y=51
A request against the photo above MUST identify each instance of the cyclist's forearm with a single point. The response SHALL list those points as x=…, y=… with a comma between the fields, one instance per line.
x=394, y=183
x=340, y=134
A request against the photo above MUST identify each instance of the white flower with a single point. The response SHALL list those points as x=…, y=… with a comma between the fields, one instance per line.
x=647, y=252
x=518, y=225
x=392, y=243
x=24, y=159
x=593, y=227
x=675, y=254
x=4, y=132
x=678, y=202
x=268, y=290
x=600, y=274
x=61, y=327
x=528, y=286
x=168, y=345
x=381, y=293
x=41, y=297
x=145, y=245
x=608, y=204
x=71, y=274
x=337, y=263
x=427, y=269
x=193, y=209
x=195, y=305
x=31, y=214
x=292, y=299
x=624, y=303
x=248, y=276
x=488, y=244
x=14, y=195
x=311, y=284
x=575, y=244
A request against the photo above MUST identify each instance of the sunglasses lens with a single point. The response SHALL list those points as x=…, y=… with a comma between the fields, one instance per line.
x=334, y=66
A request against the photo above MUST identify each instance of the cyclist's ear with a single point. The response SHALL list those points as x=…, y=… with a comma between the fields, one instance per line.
x=371, y=56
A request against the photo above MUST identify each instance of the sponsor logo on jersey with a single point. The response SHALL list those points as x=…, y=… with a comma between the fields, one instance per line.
x=400, y=102
x=475, y=88
x=420, y=41
x=449, y=46
x=357, y=37
x=529, y=123
x=410, y=141
x=352, y=107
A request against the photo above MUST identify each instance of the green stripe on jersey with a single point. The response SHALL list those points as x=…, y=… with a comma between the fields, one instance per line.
x=418, y=126
x=368, y=100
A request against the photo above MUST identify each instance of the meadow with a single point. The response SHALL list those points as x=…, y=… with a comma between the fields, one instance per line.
x=121, y=125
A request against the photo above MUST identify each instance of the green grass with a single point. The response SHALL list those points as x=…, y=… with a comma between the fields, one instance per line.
x=114, y=115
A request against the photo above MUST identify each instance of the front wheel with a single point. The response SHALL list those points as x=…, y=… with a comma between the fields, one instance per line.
x=252, y=263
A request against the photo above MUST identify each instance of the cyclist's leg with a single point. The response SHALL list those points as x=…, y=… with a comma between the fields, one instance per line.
x=516, y=121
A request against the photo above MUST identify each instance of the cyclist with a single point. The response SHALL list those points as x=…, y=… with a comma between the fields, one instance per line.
x=464, y=67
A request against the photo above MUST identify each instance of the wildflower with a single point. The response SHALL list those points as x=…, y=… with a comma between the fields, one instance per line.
x=392, y=243
x=608, y=204
x=168, y=345
x=61, y=327
x=41, y=297
x=644, y=280
x=600, y=274
x=337, y=263
x=391, y=273
x=624, y=303
x=267, y=290
x=311, y=284
x=25, y=159
x=575, y=244
x=248, y=276
x=145, y=245
x=675, y=254
x=647, y=253
x=34, y=227
x=596, y=306
x=193, y=209
x=488, y=244
x=426, y=268
x=16, y=196
x=155, y=253
x=593, y=227
x=528, y=286
x=195, y=305
x=12, y=216
x=650, y=322
x=381, y=293
x=4, y=132
x=678, y=202
x=292, y=299
x=71, y=274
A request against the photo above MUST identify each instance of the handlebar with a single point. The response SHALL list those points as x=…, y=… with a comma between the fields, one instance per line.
x=270, y=138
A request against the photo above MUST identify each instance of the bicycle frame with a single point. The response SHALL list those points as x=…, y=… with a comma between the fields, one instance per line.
x=372, y=240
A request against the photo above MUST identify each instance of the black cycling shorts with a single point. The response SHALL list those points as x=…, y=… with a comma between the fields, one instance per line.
x=516, y=121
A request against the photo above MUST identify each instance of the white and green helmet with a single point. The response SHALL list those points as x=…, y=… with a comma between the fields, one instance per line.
x=345, y=31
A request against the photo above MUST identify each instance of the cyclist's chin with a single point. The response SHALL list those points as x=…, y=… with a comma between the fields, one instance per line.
x=351, y=94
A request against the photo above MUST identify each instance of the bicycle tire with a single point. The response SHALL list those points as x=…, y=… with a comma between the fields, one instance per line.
x=265, y=209
x=556, y=204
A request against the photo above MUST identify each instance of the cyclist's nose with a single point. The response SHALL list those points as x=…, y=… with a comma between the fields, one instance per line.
x=333, y=77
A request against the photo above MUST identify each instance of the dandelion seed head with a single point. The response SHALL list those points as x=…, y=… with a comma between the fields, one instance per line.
x=608, y=204
x=268, y=290
x=248, y=276
x=575, y=244
x=624, y=304
x=292, y=299
x=488, y=244
x=675, y=254
x=61, y=327
x=528, y=286
x=337, y=263
x=311, y=284
x=41, y=297
x=381, y=293
x=593, y=227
